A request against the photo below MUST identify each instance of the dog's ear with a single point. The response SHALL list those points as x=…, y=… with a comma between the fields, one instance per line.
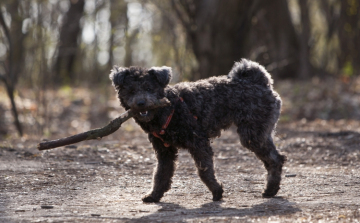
x=163, y=74
x=117, y=76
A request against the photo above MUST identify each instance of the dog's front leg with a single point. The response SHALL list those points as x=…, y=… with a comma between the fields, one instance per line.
x=203, y=157
x=164, y=171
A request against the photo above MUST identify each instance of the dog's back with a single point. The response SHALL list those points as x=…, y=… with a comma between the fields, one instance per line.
x=244, y=95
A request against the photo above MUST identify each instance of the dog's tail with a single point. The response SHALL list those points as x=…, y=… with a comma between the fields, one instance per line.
x=250, y=71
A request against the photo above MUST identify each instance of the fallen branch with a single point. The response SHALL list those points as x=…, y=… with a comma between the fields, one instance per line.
x=97, y=133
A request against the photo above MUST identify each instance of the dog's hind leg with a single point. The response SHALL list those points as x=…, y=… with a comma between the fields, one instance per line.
x=203, y=157
x=273, y=162
x=164, y=171
x=267, y=153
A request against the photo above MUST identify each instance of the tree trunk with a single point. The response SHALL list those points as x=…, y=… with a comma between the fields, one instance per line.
x=305, y=66
x=284, y=44
x=349, y=36
x=68, y=42
x=15, y=58
x=17, y=37
x=218, y=32
x=113, y=24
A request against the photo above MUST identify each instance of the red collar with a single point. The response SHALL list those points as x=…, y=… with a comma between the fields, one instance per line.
x=168, y=120
x=164, y=126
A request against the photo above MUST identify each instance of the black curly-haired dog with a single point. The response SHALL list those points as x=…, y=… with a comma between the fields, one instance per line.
x=198, y=112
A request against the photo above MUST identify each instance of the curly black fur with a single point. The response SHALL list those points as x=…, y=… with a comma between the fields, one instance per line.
x=245, y=97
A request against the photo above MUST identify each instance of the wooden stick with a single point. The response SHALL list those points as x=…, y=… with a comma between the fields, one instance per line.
x=97, y=133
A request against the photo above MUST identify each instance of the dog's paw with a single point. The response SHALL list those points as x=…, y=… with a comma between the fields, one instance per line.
x=150, y=199
x=267, y=195
x=270, y=192
x=217, y=194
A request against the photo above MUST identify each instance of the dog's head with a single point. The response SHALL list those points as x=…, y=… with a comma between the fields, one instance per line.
x=139, y=88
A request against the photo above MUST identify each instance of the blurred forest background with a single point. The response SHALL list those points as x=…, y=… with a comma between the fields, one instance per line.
x=55, y=55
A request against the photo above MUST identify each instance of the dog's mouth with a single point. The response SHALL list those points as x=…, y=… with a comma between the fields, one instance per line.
x=143, y=113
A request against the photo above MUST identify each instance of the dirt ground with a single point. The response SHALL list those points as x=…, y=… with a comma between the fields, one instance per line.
x=104, y=181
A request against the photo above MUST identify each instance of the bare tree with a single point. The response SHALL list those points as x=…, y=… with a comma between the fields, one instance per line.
x=279, y=38
x=305, y=69
x=218, y=32
x=349, y=36
x=15, y=58
x=68, y=42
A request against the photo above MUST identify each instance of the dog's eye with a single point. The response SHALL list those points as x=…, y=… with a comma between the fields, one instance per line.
x=148, y=89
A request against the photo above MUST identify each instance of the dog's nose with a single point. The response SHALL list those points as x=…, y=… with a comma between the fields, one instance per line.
x=141, y=103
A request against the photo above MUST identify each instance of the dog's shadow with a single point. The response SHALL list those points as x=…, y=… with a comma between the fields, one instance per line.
x=173, y=212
